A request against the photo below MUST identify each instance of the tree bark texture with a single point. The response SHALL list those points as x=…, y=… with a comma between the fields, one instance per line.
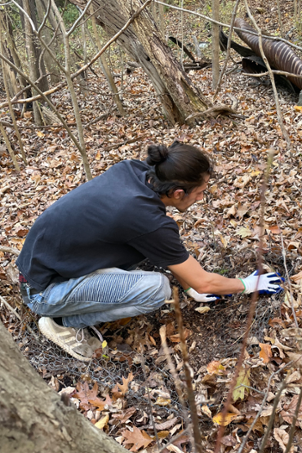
x=33, y=419
x=142, y=40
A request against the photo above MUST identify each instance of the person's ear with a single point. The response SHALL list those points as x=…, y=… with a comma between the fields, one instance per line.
x=178, y=194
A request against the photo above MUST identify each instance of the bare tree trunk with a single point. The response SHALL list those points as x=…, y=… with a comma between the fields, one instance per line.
x=49, y=62
x=7, y=46
x=215, y=44
x=105, y=67
x=72, y=91
x=33, y=419
x=142, y=40
x=32, y=61
x=11, y=53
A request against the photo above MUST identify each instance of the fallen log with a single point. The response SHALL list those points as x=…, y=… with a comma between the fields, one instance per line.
x=279, y=55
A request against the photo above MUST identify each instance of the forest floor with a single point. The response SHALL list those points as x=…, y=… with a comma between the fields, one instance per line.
x=222, y=232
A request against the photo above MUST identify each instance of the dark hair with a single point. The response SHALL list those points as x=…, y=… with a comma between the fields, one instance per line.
x=178, y=167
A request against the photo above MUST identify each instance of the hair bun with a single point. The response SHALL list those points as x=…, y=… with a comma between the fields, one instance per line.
x=157, y=154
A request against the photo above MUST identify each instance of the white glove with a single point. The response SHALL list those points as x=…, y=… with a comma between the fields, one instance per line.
x=264, y=283
x=200, y=297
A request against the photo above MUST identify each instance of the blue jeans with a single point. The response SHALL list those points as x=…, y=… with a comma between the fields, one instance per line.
x=102, y=296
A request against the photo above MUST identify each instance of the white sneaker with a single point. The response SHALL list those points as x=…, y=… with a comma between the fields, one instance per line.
x=77, y=342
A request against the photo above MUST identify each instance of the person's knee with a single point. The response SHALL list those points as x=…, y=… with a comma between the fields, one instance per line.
x=166, y=287
x=161, y=292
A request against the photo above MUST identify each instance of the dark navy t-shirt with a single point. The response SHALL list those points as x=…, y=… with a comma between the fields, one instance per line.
x=114, y=220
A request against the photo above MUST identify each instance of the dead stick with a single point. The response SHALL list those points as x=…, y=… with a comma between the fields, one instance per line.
x=272, y=417
x=290, y=286
x=260, y=410
x=3, y=248
x=292, y=428
x=17, y=316
x=187, y=368
x=252, y=305
x=149, y=401
x=177, y=381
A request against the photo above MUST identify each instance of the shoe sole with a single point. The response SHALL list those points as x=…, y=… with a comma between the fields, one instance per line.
x=59, y=342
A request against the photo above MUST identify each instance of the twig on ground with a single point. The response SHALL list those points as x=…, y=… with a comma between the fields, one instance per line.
x=289, y=283
x=260, y=410
x=5, y=249
x=214, y=111
x=293, y=425
x=252, y=305
x=274, y=71
x=172, y=440
x=10, y=308
x=187, y=369
x=149, y=401
x=272, y=416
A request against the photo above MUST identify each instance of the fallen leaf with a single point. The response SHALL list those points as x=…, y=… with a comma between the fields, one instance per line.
x=202, y=310
x=289, y=410
x=242, y=380
x=215, y=367
x=295, y=358
x=266, y=352
x=243, y=232
x=297, y=277
x=88, y=397
x=124, y=416
x=136, y=437
x=206, y=410
x=226, y=420
x=122, y=387
x=274, y=229
x=102, y=422
x=281, y=437
x=163, y=401
x=229, y=441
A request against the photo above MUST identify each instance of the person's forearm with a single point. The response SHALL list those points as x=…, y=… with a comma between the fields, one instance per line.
x=191, y=274
x=182, y=282
x=217, y=284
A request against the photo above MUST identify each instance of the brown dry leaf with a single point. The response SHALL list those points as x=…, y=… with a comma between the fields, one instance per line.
x=215, y=367
x=266, y=352
x=121, y=389
x=224, y=421
x=258, y=425
x=297, y=277
x=281, y=437
x=229, y=441
x=124, y=416
x=137, y=437
x=176, y=338
x=99, y=404
x=21, y=232
x=289, y=410
x=274, y=229
x=88, y=397
x=166, y=425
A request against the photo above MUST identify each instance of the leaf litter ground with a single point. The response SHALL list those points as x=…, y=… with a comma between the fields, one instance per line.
x=222, y=233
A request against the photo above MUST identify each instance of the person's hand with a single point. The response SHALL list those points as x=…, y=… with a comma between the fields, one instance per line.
x=265, y=284
x=200, y=297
